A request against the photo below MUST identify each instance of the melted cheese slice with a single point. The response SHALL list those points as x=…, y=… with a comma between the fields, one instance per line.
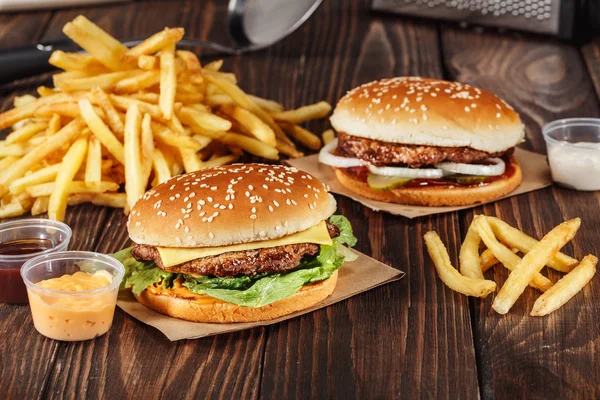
x=177, y=255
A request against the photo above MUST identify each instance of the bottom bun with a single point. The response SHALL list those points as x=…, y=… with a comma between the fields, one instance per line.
x=436, y=196
x=222, y=312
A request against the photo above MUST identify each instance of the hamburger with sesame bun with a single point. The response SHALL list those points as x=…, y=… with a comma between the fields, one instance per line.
x=425, y=142
x=238, y=243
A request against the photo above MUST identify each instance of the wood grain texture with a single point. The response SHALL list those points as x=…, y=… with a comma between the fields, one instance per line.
x=550, y=356
x=17, y=30
x=591, y=55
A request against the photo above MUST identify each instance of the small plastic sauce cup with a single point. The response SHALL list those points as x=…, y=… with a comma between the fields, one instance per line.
x=72, y=315
x=21, y=241
x=574, y=152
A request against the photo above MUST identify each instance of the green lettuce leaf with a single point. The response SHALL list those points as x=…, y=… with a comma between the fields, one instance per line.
x=250, y=291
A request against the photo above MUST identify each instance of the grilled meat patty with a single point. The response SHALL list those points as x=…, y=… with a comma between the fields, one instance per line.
x=249, y=262
x=385, y=153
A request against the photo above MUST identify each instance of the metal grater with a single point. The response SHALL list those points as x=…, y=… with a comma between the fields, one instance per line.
x=541, y=16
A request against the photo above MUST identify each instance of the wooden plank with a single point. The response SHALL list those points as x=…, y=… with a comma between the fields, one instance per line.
x=591, y=55
x=549, y=356
x=400, y=339
x=17, y=30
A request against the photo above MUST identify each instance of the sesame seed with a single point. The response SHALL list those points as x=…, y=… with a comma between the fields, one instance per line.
x=211, y=235
x=253, y=216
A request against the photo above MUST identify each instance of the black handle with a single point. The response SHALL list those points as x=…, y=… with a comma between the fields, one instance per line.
x=28, y=61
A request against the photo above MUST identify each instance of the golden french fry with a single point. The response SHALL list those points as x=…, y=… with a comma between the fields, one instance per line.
x=203, y=120
x=305, y=113
x=62, y=77
x=219, y=161
x=288, y=150
x=46, y=189
x=147, y=62
x=251, y=145
x=214, y=65
x=189, y=98
x=161, y=168
x=449, y=275
x=23, y=100
x=57, y=205
x=134, y=186
x=191, y=161
x=54, y=125
x=101, y=131
x=328, y=136
x=40, y=152
x=304, y=136
x=40, y=205
x=5, y=163
x=167, y=136
x=269, y=106
x=469, y=260
x=103, y=81
x=227, y=76
x=147, y=97
x=93, y=164
x=253, y=124
x=12, y=209
x=216, y=100
x=95, y=41
x=17, y=114
x=75, y=62
x=488, y=259
x=158, y=41
x=69, y=109
x=12, y=150
x=115, y=200
x=123, y=103
x=508, y=258
x=168, y=80
x=532, y=263
x=112, y=116
x=138, y=82
x=192, y=64
x=147, y=148
x=175, y=125
x=567, y=287
x=43, y=175
x=515, y=238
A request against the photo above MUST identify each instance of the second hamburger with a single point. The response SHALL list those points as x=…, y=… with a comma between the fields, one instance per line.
x=425, y=142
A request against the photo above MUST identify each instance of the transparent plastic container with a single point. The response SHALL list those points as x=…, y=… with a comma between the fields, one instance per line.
x=21, y=241
x=72, y=315
x=574, y=152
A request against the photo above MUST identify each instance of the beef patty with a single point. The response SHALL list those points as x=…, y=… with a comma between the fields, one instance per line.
x=234, y=263
x=385, y=153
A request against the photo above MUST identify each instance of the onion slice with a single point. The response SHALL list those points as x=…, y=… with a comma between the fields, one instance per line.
x=325, y=157
x=432, y=173
x=496, y=168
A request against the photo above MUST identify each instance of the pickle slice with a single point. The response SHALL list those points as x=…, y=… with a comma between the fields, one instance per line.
x=468, y=179
x=380, y=182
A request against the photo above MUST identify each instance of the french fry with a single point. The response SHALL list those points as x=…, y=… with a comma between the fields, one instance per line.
x=192, y=64
x=147, y=147
x=214, y=65
x=253, y=124
x=147, y=97
x=16, y=114
x=269, y=106
x=103, y=81
x=189, y=98
x=46, y=189
x=216, y=100
x=219, y=161
x=147, y=63
x=532, y=263
x=161, y=168
x=469, y=260
x=134, y=185
x=288, y=150
x=449, y=275
x=95, y=41
x=304, y=136
x=302, y=114
x=175, y=125
x=5, y=163
x=23, y=100
x=167, y=136
x=112, y=116
x=203, y=120
x=567, y=287
x=54, y=125
x=62, y=77
x=191, y=161
x=12, y=209
x=70, y=110
x=138, y=82
x=57, y=204
x=40, y=205
x=168, y=80
x=328, y=136
x=515, y=238
x=40, y=152
x=115, y=200
x=488, y=259
x=12, y=150
x=101, y=131
x=43, y=175
x=93, y=164
x=508, y=258
x=251, y=145
x=44, y=91
x=75, y=62
x=123, y=103
x=158, y=41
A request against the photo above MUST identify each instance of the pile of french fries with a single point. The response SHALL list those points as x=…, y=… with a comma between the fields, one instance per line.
x=504, y=243
x=136, y=117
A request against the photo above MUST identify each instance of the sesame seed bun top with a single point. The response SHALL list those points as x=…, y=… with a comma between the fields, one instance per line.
x=413, y=110
x=226, y=205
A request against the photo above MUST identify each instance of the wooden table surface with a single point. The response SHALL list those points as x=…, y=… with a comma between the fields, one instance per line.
x=410, y=338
